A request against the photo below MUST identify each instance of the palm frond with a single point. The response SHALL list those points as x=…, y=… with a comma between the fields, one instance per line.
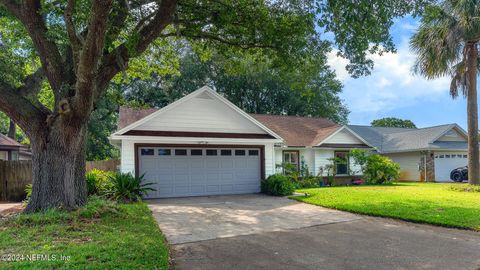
x=437, y=43
x=459, y=80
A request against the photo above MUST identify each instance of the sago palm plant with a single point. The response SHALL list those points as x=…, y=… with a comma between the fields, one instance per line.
x=446, y=44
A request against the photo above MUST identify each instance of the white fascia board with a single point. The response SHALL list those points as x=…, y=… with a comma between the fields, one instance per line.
x=193, y=140
x=423, y=149
x=349, y=130
x=342, y=148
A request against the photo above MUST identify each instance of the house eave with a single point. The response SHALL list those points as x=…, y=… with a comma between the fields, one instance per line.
x=192, y=140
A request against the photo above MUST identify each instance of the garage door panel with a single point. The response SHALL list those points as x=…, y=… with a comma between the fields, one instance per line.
x=227, y=176
x=241, y=163
x=197, y=163
x=212, y=177
x=182, y=178
x=227, y=163
x=246, y=187
x=164, y=190
x=213, y=188
x=182, y=189
x=212, y=163
x=226, y=188
x=181, y=174
x=445, y=162
x=197, y=189
x=181, y=165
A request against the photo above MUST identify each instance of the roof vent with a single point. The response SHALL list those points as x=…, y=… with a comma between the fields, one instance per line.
x=204, y=95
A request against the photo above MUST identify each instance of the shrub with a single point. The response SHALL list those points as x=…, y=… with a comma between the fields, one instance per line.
x=127, y=187
x=99, y=182
x=307, y=182
x=97, y=207
x=376, y=169
x=28, y=192
x=277, y=185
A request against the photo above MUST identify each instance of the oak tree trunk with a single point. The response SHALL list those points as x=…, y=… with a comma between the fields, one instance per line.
x=12, y=130
x=472, y=116
x=58, y=167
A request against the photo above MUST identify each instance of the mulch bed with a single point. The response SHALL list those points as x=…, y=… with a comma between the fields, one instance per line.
x=7, y=213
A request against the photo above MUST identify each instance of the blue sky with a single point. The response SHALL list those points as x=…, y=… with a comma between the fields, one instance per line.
x=392, y=90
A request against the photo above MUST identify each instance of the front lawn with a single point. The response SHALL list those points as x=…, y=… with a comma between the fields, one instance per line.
x=102, y=235
x=419, y=202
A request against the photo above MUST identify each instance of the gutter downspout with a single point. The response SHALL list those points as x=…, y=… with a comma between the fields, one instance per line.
x=425, y=165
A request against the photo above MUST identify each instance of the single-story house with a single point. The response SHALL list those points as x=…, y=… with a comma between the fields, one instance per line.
x=202, y=144
x=429, y=153
x=9, y=148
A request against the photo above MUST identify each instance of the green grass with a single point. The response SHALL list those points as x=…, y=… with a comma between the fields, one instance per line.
x=430, y=203
x=102, y=235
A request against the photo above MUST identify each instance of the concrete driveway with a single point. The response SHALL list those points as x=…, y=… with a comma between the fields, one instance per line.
x=202, y=218
x=262, y=232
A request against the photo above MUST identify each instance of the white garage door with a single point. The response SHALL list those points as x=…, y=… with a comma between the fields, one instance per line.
x=181, y=172
x=445, y=162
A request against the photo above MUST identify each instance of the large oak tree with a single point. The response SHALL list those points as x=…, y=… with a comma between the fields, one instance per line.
x=75, y=48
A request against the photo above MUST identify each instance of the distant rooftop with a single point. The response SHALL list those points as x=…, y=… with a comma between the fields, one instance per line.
x=386, y=139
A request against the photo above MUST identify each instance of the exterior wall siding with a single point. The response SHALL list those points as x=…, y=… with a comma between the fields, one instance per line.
x=409, y=165
x=278, y=159
x=344, y=136
x=3, y=155
x=322, y=157
x=306, y=154
x=454, y=137
x=127, y=157
x=269, y=160
x=200, y=114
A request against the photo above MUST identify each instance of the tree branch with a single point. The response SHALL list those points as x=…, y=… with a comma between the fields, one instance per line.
x=30, y=118
x=117, y=60
x=74, y=39
x=28, y=12
x=120, y=15
x=89, y=58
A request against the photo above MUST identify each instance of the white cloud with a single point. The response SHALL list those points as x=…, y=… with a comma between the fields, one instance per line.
x=391, y=85
x=338, y=64
x=410, y=26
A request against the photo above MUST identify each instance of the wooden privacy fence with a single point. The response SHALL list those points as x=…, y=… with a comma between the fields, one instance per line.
x=16, y=175
x=104, y=165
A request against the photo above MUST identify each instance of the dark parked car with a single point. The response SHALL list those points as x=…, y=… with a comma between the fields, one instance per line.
x=459, y=174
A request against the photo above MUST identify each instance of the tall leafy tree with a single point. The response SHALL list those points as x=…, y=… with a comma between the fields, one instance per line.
x=246, y=80
x=81, y=46
x=78, y=47
x=393, y=122
x=252, y=83
x=446, y=44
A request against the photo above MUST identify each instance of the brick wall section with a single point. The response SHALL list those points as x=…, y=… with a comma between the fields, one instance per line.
x=430, y=168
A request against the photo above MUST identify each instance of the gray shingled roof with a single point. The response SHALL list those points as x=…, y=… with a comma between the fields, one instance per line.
x=388, y=140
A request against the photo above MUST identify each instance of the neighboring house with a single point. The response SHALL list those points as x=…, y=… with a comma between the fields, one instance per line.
x=202, y=144
x=9, y=148
x=429, y=153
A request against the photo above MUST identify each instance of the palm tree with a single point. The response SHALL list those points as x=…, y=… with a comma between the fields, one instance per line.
x=446, y=44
